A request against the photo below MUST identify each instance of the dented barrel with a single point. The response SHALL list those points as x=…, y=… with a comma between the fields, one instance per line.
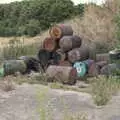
x=63, y=74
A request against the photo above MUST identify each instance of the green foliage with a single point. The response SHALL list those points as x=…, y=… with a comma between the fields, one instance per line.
x=30, y=17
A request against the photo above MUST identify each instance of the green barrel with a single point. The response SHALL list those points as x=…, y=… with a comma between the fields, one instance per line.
x=2, y=73
x=12, y=66
x=81, y=68
x=115, y=56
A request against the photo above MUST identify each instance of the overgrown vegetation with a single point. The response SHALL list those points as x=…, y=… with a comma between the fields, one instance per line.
x=114, y=6
x=30, y=17
x=7, y=84
x=103, y=88
x=16, y=48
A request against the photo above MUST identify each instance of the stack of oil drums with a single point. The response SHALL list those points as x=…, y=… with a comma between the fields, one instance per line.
x=64, y=55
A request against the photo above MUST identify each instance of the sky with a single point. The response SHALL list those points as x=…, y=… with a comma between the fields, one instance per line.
x=75, y=1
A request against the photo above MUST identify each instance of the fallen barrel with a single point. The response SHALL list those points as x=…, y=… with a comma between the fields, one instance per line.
x=2, y=72
x=89, y=62
x=93, y=70
x=58, y=31
x=67, y=43
x=81, y=69
x=65, y=63
x=50, y=44
x=78, y=54
x=31, y=63
x=63, y=74
x=101, y=64
x=103, y=57
x=44, y=57
x=13, y=66
x=110, y=69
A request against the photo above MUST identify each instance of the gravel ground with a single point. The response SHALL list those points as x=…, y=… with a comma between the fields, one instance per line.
x=22, y=104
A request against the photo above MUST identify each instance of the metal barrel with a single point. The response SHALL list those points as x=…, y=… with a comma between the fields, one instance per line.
x=63, y=74
x=109, y=69
x=58, y=31
x=67, y=43
x=81, y=69
x=13, y=66
x=65, y=63
x=58, y=56
x=101, y=64
x=102, y=57
x=50, y=44
x=78, y=54
x=93, y=70
x=32, y=63
x=44, y=57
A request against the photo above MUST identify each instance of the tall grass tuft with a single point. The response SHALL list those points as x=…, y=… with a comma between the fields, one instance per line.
x=16, y=48
x=103, y=88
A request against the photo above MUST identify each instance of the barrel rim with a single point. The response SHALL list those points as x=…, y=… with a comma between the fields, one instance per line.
x=45, y=45
x=51, y=31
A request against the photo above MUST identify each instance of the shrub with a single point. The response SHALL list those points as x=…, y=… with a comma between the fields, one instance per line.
x=103, y=88
x=31, y=16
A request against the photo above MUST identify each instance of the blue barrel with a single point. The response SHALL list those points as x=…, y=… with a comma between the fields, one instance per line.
x=81, y=68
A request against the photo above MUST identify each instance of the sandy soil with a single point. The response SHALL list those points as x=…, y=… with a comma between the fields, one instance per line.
x=22, y=104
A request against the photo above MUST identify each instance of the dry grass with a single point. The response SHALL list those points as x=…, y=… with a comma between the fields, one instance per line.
x=56, y=85
x=103, y=88
x=17, y=47
x=7, y=84
x=113, y=6
x=97, y=26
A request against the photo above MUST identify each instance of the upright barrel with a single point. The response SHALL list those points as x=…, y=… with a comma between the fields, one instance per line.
x=78, y=54
x=58, y=31
x=63, y=74
x=58, y=56
x=62, y=54
x=70, y=42
x=44, y=57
